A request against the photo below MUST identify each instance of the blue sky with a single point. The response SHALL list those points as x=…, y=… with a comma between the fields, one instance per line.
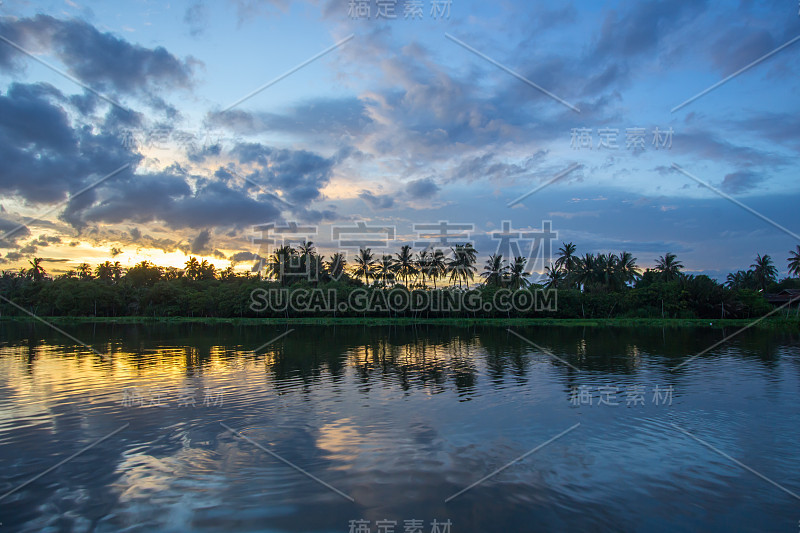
x=400, y=125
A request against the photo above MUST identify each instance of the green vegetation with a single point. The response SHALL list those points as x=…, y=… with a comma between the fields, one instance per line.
x=591, y=287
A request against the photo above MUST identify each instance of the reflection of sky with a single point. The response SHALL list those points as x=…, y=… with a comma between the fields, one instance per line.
x=390, y=418
x=403, y=125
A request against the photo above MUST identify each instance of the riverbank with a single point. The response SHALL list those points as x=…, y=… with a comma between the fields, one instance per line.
x=783, y=323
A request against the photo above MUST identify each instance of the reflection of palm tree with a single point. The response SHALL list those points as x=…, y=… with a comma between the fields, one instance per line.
x=494, y=271
x=36, y=272
x=794, y=262
x=669, y=266
x=404, y=263
x=516, y=274
x=365, y=262
x=764, y=271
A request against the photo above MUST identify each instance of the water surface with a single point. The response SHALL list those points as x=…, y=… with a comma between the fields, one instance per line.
x=399, y=419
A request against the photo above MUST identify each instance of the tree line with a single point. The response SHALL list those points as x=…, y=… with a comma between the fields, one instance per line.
x=589, y=285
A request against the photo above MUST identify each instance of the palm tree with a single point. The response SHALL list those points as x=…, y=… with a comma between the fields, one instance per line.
x=385, y=270
x=36, y=272
x=365, y=263
x=423, y=259
x=336, y=266
x=555, y=276
x=517, y=278
x=794, y=262
x=494, y=271
x=741, y=280
x=116, y=271
x=306, y=249
x=586, y=271
x=764, y=271
x=437, y=265
x=627, y=269
x=104, y=271
x=192, y=268
x=280, y=262
x=207, y=270
x=85, y=271
x=669, y=266
x=567, y=258
x=404, y=263
x=462, y=265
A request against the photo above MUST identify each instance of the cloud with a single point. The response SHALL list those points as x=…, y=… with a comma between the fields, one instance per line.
x=377, y=201
x=201, y=242
x=741, y=181
x=45, y=155
x=101, y=60
x=195, y=17
x=422, y=188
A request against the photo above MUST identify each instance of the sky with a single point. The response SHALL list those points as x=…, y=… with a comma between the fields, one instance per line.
x=146, y=130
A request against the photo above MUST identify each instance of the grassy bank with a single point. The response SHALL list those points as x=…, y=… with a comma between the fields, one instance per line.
x=791, y=323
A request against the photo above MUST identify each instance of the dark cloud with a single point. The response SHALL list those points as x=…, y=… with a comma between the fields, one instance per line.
x=12, y=240
x=377, y=201
x=201, y=242
x=487, y=167
x=45, y=155
x=298, y=174
x=422, y=188
x=240, y=257
x=100, y=60
x=741, y=181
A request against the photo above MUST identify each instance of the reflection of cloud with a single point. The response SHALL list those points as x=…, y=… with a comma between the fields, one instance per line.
x=341, y=439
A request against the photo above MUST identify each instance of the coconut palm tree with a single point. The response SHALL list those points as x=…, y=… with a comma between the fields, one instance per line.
x=280, y=263
x=555, y=276
x=336, y=266
x=586, y=271
x=422, y=261
x=104, y=271
x=192, y=269
x=85, y=271
x=669, y=266
x=764, y=271
x=385, y=270
x=36, y=272
x=628, y=271
x=495, y=271
x=741, y=280
x=437, y=265
x=567, y=258
x=404, y=263
x=365, y=263
x=461, y=266
x=794, y=262
x=206, y=271
x=517, y=277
